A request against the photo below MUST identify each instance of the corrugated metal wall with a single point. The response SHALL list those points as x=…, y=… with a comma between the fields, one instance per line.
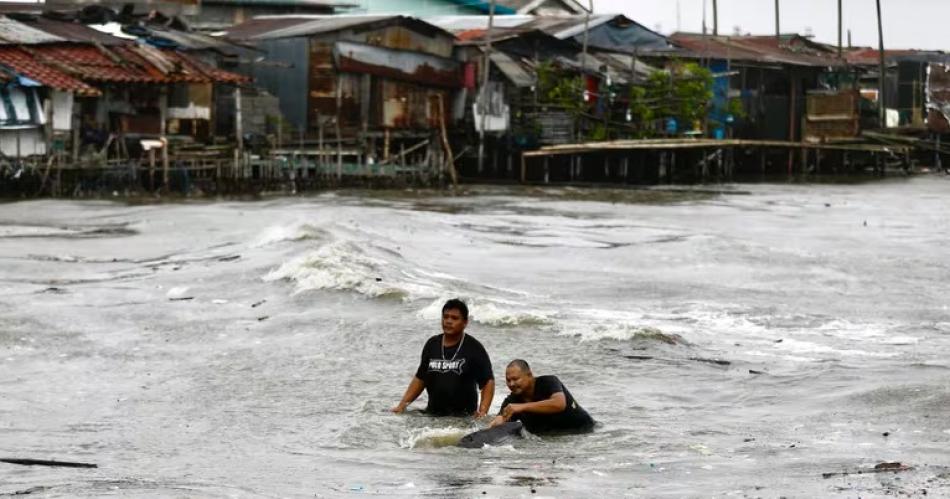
x=286, y=76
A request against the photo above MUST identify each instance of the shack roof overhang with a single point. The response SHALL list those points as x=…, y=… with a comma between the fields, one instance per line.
x=762, y=51
x=614, y=32
x=315, y=4
x=868, y=57
x=415, y=67
x=293, y=26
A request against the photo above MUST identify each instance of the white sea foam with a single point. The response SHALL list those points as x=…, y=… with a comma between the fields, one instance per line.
x=344, y=266
x=428, y=438
x=298, y=231
x=620, y=332
x=35, y=231
x=493, y=312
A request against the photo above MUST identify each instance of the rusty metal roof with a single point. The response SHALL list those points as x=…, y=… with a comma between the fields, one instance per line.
x=397, y=64
x=867, y=56
x=789, y=50
x=275, y=27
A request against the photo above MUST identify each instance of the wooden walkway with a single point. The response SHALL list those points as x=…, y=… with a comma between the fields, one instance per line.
x=664, y=153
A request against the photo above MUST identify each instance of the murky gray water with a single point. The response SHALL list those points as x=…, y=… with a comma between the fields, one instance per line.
x=733, y=344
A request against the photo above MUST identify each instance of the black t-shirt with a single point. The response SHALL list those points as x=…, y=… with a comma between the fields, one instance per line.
x=572, y=418
x=451, y=376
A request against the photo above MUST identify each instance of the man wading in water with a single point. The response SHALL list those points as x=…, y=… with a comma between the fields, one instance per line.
x=542, y=404
x=452, y=364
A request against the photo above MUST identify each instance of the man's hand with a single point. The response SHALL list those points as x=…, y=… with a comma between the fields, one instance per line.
x=480, y=413
x=510, y=411
x=399, y=409
x=497, y=421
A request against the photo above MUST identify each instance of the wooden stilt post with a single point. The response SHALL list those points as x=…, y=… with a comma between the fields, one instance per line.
x=524, y=169
x=163, y=116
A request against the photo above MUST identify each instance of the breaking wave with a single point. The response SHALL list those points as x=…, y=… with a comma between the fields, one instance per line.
x=493, y=312
x=344, y=266
x=300, y=231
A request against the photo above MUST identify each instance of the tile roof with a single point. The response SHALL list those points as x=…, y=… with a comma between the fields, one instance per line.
x=76, y=68
x=131, y=64
x=21, y=62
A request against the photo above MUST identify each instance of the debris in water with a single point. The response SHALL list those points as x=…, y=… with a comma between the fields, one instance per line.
x=41, y=462
x=257, y=304
x=229, y=258
x=639, y=357
x=718, y=362
x=753, y=371
x=885, y=467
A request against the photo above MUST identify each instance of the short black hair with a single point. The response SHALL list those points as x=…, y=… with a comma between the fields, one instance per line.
x=520, y=364
x=456, y=304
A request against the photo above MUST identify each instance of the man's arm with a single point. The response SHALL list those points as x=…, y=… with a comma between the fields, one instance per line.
x=412, y=393
x=488, y=393
x=557, y=403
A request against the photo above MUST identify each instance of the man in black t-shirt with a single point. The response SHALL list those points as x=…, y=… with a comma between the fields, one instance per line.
x=543, y=404
x=453, y=364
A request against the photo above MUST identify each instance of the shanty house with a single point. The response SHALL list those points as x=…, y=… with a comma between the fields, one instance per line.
x=99, y=88
x=361, y=73
x=917, y=86
x=771, y=77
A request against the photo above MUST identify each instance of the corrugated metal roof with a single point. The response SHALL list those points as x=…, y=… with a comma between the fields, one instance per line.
x=397, y=64
x=16, y=33
x=284, y=3
x=513, y=70
x=73, y=32
x=276, y=27
x=788, y=50
x=866, y=56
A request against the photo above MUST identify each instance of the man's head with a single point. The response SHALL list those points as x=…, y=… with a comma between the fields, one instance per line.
x=454, y=317
x=519, y=378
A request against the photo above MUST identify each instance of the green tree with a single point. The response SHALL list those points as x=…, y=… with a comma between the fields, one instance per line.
x=682, y=92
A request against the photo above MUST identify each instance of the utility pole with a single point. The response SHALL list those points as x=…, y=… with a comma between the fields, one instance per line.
x=840, y=49
x=590, y=9
x=778, y=32
x=482, y=104
x=882, y=109
x=715, y=17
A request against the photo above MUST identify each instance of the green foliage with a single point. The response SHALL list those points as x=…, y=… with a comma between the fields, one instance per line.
x=735, y=108
x=560, y=88
x=683, y=93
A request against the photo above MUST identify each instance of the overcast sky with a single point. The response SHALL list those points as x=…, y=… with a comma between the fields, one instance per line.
x=907, y=23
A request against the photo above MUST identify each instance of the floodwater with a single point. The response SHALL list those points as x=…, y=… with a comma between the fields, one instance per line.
x=738, y=342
